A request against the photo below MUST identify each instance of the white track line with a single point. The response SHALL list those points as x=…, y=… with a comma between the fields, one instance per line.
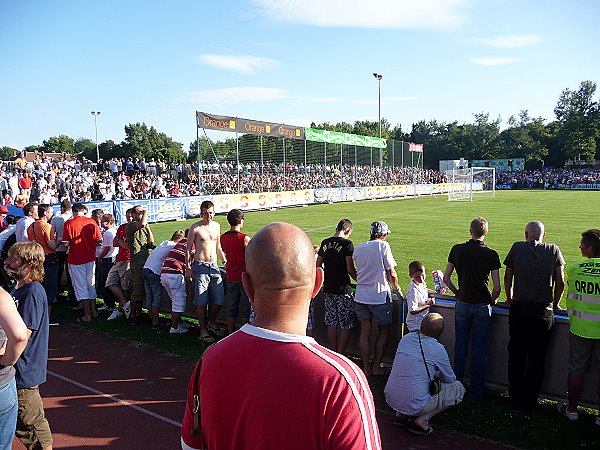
x=115, y=399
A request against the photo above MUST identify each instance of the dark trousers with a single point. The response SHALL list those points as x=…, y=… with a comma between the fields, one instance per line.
x=529, y=333
x=50, y=282
x=103, y=266
x=62, y=262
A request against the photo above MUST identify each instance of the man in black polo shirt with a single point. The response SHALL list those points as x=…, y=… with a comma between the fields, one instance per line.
x=474, y=262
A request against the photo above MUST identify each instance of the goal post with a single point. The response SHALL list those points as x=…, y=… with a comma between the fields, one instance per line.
x=470, y=183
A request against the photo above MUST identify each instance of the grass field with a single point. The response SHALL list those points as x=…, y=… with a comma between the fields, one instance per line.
x=426, y=228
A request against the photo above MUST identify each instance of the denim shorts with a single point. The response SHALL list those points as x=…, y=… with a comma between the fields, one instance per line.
x=382, y=313
x=208, y=284
x=237, y=299
x=9, y=409
x=153, y=289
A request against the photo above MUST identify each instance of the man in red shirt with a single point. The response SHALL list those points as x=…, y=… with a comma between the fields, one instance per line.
x=25, y=184
x=283, y=390
x=81, y=234
x=118, y=280
x=233, y=243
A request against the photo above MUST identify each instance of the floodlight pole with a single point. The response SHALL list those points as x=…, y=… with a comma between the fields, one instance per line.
x=378, y=77
x=96, y=114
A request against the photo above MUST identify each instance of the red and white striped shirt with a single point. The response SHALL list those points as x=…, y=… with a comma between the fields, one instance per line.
x=175, y=262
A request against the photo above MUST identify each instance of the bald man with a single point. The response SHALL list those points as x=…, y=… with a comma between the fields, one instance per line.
x=268, y=385
x=534, y=283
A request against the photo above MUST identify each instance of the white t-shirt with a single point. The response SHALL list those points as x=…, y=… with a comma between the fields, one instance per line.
x=107, y=241
x=416, y=295
x=373, y=259
x=157, y=258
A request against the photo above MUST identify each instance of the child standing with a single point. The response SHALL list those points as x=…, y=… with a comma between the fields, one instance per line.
x=233, y=243
x=417, y=296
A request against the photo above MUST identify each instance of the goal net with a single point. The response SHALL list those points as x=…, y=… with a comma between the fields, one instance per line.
x=467, y=184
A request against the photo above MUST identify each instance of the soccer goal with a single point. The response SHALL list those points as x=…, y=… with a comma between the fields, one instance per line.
x=466, y=184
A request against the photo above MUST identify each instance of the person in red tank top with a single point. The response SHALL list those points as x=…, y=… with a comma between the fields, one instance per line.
x=233, y=243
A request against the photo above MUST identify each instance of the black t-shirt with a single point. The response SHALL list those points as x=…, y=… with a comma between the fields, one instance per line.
x=334, y=250
x=473, y=262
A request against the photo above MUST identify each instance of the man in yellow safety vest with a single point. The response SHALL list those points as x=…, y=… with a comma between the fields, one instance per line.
x=583, y=305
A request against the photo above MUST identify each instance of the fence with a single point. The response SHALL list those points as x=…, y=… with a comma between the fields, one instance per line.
x=251, y=163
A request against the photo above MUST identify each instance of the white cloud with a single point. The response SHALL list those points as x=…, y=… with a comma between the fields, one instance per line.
x=495, y=61
x=232, y=95
x=240, y=63
x=403, y=14
x=374, y=101
x=511, y=41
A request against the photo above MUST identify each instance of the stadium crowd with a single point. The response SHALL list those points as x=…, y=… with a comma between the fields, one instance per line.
x=50, y=180
x=549, y=178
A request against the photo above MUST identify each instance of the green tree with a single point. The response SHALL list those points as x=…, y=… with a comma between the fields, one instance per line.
x=577, y=115
x=59, y=144
x=84, y=147
x=108, y=149
x=7, y=152
x=526, y=138
x=143, y=142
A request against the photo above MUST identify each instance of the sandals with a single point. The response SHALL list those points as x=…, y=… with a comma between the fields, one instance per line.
x=416, y=429
x=216, y=333
x=207, y=339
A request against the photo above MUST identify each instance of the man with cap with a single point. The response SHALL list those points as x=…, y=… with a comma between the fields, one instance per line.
x=376, y=278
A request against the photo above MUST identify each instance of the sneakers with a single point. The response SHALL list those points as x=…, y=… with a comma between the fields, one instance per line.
x=184, y=325
x=180, y=329
x=127, y=309
x=102, y=308
x=116, y=314
x=572, y=416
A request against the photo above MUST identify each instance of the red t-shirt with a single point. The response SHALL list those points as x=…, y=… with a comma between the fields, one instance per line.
x=260, y=389
x=232, y=243
x=124, y=254
x=25, y=183
x=82, y=234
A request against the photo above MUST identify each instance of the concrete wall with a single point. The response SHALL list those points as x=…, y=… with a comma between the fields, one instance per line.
x=557, y=361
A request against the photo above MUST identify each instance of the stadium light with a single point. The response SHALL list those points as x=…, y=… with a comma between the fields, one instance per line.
x=96, y=114
x=378, y=77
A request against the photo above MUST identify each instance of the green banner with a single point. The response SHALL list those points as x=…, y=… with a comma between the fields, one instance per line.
x=334, y=137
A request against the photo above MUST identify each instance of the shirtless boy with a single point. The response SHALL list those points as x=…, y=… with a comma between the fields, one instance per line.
x=204, y=238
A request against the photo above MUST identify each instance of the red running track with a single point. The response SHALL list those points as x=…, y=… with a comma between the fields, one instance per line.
x=106, y=392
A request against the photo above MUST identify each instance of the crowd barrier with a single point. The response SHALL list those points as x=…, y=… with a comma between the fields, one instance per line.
x=179, y=208
x=557, y=360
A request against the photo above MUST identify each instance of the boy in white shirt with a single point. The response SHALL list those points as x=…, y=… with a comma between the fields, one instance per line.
x=417, y=296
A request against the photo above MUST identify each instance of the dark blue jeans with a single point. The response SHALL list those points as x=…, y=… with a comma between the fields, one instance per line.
x=472, y=321
x=50, y=282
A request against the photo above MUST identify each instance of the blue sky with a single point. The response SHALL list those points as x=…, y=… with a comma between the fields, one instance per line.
x=286, y=61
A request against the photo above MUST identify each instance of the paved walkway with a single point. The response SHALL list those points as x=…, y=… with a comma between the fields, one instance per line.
x=104, y=391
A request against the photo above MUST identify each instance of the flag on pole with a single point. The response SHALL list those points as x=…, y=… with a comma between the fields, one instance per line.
x=417, y=148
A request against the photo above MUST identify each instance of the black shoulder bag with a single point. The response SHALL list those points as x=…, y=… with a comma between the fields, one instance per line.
x=435, y=385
